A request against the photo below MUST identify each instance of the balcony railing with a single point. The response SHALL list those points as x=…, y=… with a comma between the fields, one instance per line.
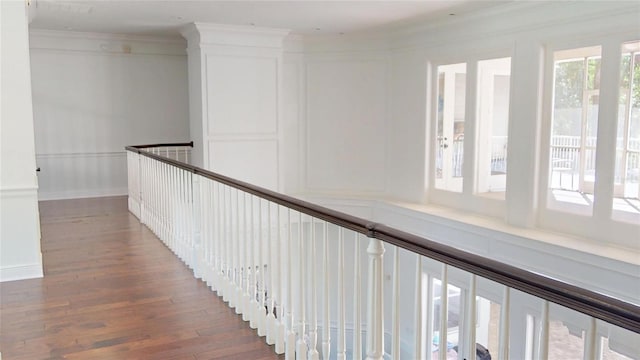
x=315, y=283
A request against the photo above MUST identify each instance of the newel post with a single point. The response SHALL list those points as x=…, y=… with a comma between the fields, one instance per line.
x=375, y=304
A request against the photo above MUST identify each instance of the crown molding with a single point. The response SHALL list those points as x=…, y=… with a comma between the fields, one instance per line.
x=233, y=35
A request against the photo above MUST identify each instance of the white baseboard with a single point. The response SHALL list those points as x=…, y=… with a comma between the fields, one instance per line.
x=21, y=272
x=63, y=195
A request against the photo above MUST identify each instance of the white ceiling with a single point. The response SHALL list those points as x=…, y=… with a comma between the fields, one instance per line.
x=166, y=17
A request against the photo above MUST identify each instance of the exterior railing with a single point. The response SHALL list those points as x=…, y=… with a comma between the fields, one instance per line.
x=297, y=273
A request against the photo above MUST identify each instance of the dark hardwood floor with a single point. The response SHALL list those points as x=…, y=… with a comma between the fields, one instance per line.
x=112, y=290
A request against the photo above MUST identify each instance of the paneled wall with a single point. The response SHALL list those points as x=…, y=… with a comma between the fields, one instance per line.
x=235, y=77
x=94, y=94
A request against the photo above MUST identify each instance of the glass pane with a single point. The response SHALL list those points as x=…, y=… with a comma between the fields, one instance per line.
x=494, y=77
x=574, y=125
x=454, y=303
x=450, y=126
x=626, y=203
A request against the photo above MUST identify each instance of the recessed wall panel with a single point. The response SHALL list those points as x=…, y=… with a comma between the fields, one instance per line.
x=252, y=161
x=242, y=95
x=346, y=107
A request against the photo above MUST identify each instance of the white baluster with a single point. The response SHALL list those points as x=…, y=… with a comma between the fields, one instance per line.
x=395, y=316
x=230, y=245
x=236, y=256
x=341, y=345
x=313, y=312
x=543, y=339
x=419, y=354
x=375, y=303
x=253, y=317
x=280, y=329
x=357, y=283
x=301, y=345
x=503, y=331
x=246, y=241
x=271, y=318
x=430, y=315
x=261, y=311
x=326, y=328
x=197, y=248
x=590, y=341
x=290, y=348
x=444, y=305
x=225, y=243
x=219, y=244
x=470, y=317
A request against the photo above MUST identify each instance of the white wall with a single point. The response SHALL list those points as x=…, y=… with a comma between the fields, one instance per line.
x=339, y=169
x=20, y=256
x=94, y=94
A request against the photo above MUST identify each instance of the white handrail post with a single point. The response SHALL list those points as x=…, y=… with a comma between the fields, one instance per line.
x=375, y=303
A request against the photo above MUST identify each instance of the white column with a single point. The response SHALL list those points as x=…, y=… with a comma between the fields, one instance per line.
x=524, y=125
x=20, y=255
x=375, y=303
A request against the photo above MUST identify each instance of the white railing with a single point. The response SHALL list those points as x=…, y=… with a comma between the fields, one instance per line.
x=316, y=284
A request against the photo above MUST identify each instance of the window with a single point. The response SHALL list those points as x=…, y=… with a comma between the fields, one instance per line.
x=626, y=205
x=494, y=77
x=576, y=92
x=450, y=126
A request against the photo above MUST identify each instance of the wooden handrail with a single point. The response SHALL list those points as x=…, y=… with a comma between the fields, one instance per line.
x=608, y=309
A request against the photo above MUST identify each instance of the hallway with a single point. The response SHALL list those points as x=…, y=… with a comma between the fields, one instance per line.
x=113, y=291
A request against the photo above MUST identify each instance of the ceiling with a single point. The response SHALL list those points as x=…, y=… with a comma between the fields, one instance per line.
x=166, y=17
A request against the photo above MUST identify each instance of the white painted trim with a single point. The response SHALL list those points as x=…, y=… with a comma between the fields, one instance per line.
x=105, y=36
x=21, y=272
x=62, y=195
x=233, y=35
x=105, y=44
x=82, y=154
x=17, y=191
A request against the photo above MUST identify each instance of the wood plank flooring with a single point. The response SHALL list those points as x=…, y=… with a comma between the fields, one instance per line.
x=112, y=290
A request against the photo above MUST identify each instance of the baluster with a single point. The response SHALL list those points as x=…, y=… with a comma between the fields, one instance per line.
x=301, y=349
x=543, y=339
x=395, y=316
x=503, y=332
x=271, y=319
x=313, y=314
x=261, y=311
x=429, y=318
x=238, y=263
x=326, y=328
x=290, y=349
x=246, y=299
x=375, y=303
x=590, y=341
x=253, y=319
x=419, y=354
x=280, y=287
x=221, y=244
x=234, y=213
x=470, y=323
x=204, y=230
x=230, y=245
x=197, y=248
x=357, y=282
x=341, y=351
x=444, y=305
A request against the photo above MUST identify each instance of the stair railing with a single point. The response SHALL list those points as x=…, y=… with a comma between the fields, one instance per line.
x=294, y=271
